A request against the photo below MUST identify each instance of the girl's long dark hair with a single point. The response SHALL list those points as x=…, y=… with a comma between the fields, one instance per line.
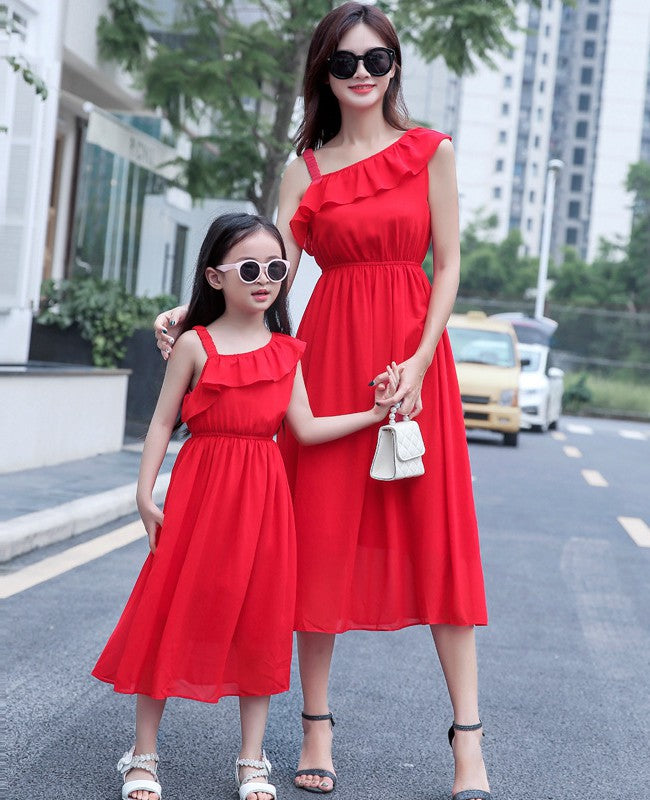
x=206, y=303
x=322, y=116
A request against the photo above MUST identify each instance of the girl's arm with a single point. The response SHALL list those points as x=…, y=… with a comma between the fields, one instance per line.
x=178, y=375
x=294, y=184
x=309, y=429
x=443, y=202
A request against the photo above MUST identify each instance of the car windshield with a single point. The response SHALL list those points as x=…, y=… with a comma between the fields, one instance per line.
x=534, y=358
x=471, y=345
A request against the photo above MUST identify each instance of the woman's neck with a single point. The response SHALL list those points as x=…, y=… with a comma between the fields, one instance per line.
x=364, y=130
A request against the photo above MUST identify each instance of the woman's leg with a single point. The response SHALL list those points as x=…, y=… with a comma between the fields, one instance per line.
x=456, y=648
x=253, y=712
x=148, y=713
x=315, y=657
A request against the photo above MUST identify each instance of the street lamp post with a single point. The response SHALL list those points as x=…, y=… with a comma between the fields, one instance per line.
x=553, y=169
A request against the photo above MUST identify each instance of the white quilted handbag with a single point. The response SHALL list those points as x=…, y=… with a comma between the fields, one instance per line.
x=399, y=450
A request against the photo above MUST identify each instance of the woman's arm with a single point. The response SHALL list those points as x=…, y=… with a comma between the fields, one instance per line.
x=309, y=429
x=163, y=328
x=294, y=184
x=177, y=378
x=443, y=202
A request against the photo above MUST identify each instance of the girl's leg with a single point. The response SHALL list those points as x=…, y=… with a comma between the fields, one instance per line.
x=253, y=712
x=456, y=648
x=315, y=657
x=148, y=713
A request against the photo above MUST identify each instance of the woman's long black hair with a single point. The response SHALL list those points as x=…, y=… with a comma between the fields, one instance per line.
x=208, y=304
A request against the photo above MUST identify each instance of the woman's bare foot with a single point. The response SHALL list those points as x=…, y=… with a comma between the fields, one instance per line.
x=469, y=767
x=316, y=753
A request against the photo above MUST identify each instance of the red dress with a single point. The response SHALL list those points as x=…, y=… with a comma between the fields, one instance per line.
x=211, y=614
x=375, y=555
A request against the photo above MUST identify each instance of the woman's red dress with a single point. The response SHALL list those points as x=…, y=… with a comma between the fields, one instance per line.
x=375, y=555
x=211, y=613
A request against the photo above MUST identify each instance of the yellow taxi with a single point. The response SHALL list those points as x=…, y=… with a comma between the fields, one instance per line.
x=488, y=369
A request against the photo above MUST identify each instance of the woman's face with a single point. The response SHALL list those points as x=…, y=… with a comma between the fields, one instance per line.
x=362, y=90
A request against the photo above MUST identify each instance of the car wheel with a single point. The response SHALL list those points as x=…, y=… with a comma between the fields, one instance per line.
x=510, y=439
x=544, y=426
x=552, y=426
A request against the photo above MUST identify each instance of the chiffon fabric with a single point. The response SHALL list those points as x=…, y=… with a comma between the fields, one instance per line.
x=211, y=613
x=378, y=555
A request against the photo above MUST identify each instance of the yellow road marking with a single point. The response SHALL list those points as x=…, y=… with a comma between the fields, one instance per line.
x=572, y=452
x=593, y=477
x=637, y=530
x=73, y=557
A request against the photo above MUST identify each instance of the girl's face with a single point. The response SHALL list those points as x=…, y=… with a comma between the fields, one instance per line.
x=362, y=90
x=247, y=298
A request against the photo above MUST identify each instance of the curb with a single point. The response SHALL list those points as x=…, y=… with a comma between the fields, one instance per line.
x=22, y=534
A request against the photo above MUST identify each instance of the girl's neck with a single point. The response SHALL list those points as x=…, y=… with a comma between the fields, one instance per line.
x=241, y=332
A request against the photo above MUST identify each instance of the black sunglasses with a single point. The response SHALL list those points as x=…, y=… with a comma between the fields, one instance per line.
x=377, y=60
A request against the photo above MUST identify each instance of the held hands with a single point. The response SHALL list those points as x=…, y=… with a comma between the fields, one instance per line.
x=163, y=329
x=385, y=391
x=152, y=518
x=410, y=374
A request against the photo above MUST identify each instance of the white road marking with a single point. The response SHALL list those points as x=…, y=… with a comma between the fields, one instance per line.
x=629, y=434
x=593, y=477
x=572, y=452
x=637, y=530
x=50, y=567
x=559, y=436
x=574, y=427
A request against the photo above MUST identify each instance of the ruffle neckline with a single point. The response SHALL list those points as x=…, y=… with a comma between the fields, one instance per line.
x=384, y=170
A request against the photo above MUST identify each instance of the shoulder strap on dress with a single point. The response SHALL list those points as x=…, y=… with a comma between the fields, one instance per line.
x=206, y=340
x=312, y=164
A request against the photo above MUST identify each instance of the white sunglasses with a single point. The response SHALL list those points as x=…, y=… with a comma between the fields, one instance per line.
x=250, y=270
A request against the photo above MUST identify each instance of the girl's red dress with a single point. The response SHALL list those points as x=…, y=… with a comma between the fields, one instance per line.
x=211, y=613
x=375, y=555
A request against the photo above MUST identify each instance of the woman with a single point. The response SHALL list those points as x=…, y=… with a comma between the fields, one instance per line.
x=372, y=555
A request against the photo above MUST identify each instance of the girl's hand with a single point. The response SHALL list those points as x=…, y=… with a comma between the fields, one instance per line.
x=411, y=374
x=152, y=517
x=162, y=328
x=385, y=391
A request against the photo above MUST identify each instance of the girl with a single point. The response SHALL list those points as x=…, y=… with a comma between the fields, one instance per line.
x=367, y=196
x=212, y=611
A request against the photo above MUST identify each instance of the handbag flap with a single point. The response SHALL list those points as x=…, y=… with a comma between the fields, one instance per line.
x=408, y=440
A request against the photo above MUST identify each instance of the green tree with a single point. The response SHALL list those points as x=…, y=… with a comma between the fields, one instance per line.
x=239, y=79
x=19, y=63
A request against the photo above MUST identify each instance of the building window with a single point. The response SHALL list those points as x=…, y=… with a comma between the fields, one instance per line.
x=505, y=109
x=574, y=209
x=584, y=102
x=533, y=169
x=578, y=155
x=503, y=137
x=536, y=142
x=540, y=114
x=531, y=197
x=547, y=31
x=529, y=224
x=507, y=81
x=581, y=130
x=542, y=86
x=549, y=5
x=544, y=58
x=496, y=192
x=499, y=165
x=586, y=76
x=576, y=183
x=592, y=22
x=589, y=48
x=571, y=236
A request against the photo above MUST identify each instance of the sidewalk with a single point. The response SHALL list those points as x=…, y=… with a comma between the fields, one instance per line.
x=46, y=505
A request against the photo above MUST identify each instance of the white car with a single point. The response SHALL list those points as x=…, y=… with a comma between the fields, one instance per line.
x=541, y=387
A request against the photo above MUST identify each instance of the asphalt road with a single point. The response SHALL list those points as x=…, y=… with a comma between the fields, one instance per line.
x=564, y=662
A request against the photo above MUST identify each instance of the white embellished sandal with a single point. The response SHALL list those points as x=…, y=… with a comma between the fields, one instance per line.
x=249, y=784
x=129, y=762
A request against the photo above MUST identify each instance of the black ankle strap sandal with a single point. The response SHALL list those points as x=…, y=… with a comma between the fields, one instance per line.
x=321, y=773
x=467, y=794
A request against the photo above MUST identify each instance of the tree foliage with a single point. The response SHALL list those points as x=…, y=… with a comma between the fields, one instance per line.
x=236, y=76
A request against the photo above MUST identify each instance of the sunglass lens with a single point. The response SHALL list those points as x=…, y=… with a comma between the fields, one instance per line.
x=249, y=271
x=343, y=65
x=277, y=271
x=377, y=61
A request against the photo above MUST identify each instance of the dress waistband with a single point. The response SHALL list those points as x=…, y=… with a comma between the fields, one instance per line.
x=219, y=435
x=357, y=264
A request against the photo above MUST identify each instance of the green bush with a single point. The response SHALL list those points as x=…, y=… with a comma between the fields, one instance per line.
x=105, y=313
x=577, y=394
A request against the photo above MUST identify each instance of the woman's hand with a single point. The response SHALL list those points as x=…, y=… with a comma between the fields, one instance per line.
x=152, y=517
x=163, y=324
x=385, y=391
x=410, y=376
